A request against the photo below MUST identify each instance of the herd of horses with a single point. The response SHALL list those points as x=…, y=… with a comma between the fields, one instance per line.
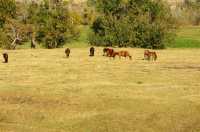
x=109, y=52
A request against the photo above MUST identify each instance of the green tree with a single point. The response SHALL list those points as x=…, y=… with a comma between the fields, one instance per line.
x=7, y=10
x=54, y=24
x=134, y=23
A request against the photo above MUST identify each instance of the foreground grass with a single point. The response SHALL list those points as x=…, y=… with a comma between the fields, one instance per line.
x=41, y=90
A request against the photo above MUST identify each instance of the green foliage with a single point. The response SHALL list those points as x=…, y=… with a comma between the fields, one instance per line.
x=134, y=23
x=7, y=10
x=54, y=24
x=88, y=16
x=4, y=40
x=48, y=23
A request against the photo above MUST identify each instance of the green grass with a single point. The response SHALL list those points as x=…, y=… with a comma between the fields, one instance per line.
x=182, y=42
x=187, y=37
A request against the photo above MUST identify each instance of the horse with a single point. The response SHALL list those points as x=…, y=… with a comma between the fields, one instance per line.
x=5, y=56
x=114, y=54
x=105, y=51
x=150, y=55
x=92, y=50
x=108, y=51
x=67, y=52
x=122, y=54
x=125, y=54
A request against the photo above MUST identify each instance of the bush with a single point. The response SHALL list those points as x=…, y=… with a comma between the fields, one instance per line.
x=54, y=25
x=4, y=41
x=7, y=10
x=133, y=23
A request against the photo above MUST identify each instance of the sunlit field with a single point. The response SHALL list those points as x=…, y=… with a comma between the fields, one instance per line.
x=42, y=91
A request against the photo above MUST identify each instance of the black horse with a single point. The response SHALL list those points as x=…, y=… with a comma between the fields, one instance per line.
x=92, y=50
x=5, y=56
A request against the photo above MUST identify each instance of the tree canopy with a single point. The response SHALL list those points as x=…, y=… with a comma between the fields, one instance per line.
x=50, y=24
x=133, y=23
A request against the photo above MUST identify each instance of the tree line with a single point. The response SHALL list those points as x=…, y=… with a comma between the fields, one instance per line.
x=122, y=23
x=133, y=23
x=50, y=24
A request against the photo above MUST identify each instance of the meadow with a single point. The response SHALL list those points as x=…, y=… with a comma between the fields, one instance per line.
x=41, y=90
x=187, y=37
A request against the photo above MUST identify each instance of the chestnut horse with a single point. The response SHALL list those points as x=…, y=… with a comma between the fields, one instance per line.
x=105, y=51
x=108, y=52
x=150, y=55
x=122, y=53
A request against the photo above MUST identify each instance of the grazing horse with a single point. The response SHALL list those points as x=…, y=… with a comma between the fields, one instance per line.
x=5, y=56
x=109, y=52
x=122, y=54
x=67, y=52
x=105, y=51
x=125, y=54
x=150, y=55
x=114, y=54
x=92, y=50
x=146, y=54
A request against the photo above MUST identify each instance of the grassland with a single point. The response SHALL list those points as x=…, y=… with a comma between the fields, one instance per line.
x=187, y=37
x=41, y=90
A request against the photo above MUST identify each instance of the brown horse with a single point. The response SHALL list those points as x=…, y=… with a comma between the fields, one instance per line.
x=105, y=51
x=67, y=52
x=125, y=54
x=114, y=54
x=122, y=54
x=108, y=51
x=150, y=55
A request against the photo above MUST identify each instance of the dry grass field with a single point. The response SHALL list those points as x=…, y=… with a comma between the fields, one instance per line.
x=42, y=91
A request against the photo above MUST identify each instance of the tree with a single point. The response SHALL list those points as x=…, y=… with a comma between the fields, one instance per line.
x=187, y=12
x=134, y=23
x=7, y=10
x=54, y=24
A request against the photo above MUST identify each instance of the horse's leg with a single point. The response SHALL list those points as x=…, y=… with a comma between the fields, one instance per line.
x=113, y=57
